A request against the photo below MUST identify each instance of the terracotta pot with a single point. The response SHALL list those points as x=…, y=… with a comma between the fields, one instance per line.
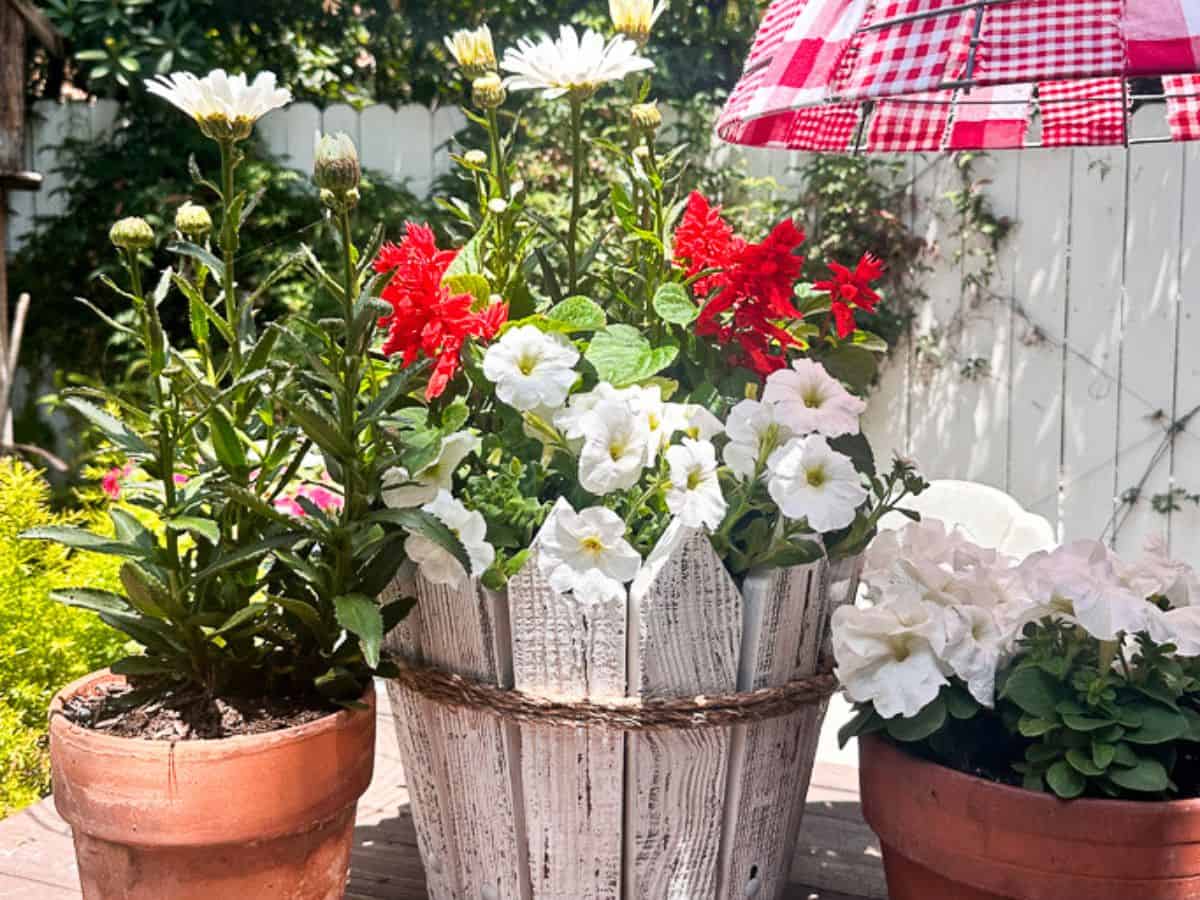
x=949, y=836
x=266, y=816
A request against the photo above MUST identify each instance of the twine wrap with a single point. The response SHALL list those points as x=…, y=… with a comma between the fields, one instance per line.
x=720, y=711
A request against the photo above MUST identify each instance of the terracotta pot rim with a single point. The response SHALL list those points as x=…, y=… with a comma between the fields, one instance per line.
x=238, y=745
x=1096, y=805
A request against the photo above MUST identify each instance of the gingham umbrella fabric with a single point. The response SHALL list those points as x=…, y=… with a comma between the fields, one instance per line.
x=913, y=75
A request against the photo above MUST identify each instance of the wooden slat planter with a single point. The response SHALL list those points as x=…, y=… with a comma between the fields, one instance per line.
x=530, y=811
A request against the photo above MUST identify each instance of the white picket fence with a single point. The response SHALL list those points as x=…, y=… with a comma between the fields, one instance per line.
x=1088, y=345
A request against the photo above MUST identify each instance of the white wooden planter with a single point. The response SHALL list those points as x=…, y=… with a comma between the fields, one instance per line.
x=509, y=811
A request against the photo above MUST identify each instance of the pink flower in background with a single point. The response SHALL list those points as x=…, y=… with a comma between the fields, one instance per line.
x=290, y=507
x=111, y=483
x=324, y=499
x=180, y=479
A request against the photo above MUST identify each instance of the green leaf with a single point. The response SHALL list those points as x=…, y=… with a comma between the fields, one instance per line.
x=1159, y=725
x=471, y=283
x=1065, y=781
x=922, y=725
x=959, y=703
x=1034, y=691
x=1032, y=726
x=428, y=526
x=1085, y=723
x=396, y=612
x=79, y=539
x=1125, y=755
x=865, y=721
x=246, y=614
x=92, y=599
x=306, y=613
x=1148, y=776
x=1082, y=763
x=322, y=432
x=204, y=528
x=248, y=553
x=142, y=665
x=576, y=314
x=114, y=429
x=622, y=356
x=1103, y=754
x=146, y=594
x=674, y=305
x=468, y=260
x=853, y=366
x=226, y=442
x=359, y=615
x=202, y=256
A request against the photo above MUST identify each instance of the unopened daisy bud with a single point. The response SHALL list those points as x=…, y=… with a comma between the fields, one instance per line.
x=646, y=117
x=475, y=159
x=642, y=152
x=340, y=201
x=473, y=51
x=487, y=91
x=635, y=18
x=132, y=234
x=336, y=167
x=497, y=205
x=193, y=221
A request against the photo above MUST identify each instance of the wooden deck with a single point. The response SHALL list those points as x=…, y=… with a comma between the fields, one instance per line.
x=838, y=857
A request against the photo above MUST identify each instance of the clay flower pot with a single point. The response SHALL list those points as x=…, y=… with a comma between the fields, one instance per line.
x=260, y=816
x=950, y=836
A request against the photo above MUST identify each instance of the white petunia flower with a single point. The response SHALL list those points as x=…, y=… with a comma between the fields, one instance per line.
x=531, y=368
x=754, y=434
x=695, y=492
x=810, y=480
x=616, y=448
x=404, y=490
x=635, y=18
x=572, y=420
x=975, y=642
x=1079, y=582
x=808, y=399
x=225, y=106
x=435, y=562
x=695, y=421
x=586, y=554
x=890, y=655
x=1156, y=574
x=571, y=65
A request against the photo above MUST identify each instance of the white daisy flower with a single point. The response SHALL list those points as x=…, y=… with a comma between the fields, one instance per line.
x=616, y=448
x=808, y=399
x=570, y=65
x=531, y=368
x=810, y=480
x=435, y=562
x=225, y=106
x=695, y=492
x=635, y=18
x=403, y=490
x=754, y=434
x=586, y=554
x=473, y=51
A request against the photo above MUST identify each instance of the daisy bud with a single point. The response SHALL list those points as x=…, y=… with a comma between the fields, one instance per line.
x=340, y=202
x=487, y=91
x=336, y=167
x=193, y=222
x=475, y=159
x=635, y=18
x=473, y=51
x=646, y=117
x=132, y=234
x=497, y=205
x=642, y=152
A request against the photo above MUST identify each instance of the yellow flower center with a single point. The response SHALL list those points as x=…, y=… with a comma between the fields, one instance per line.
x=592, y=544
x=527, y=363
x=812, y=398
x=695, y=479
x=816, y=476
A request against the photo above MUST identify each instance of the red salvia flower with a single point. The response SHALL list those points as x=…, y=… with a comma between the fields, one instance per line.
x=851, y=289
x=704, y=240
x=427, y=319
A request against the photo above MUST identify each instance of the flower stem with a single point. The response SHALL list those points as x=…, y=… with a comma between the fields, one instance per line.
x=577, y=162
x=229, y=244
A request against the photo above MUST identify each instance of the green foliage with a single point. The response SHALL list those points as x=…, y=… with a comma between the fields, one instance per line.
x=45, y=644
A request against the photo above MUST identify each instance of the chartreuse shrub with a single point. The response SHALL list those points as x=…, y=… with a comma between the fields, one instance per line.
x=43, y=644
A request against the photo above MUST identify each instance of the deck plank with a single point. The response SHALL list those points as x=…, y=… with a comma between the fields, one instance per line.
x=838, y=857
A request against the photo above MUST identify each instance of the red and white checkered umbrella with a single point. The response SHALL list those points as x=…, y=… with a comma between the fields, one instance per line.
x=894, y=75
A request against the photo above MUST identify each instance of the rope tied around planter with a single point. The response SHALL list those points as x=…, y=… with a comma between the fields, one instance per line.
x=634, y=714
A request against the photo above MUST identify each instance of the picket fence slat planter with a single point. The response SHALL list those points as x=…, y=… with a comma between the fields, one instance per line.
x=530, y=811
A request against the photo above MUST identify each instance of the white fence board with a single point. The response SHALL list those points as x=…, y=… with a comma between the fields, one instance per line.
x=1185, y=525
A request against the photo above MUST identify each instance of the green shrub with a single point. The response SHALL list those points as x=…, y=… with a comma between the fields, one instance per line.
x=43, y=644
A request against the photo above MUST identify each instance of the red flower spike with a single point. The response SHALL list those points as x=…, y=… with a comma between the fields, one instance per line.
x=704, y=240
x=426, y=319
x=851, y=289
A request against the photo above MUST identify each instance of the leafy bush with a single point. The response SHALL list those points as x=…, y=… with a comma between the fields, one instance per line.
x=45, y=645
